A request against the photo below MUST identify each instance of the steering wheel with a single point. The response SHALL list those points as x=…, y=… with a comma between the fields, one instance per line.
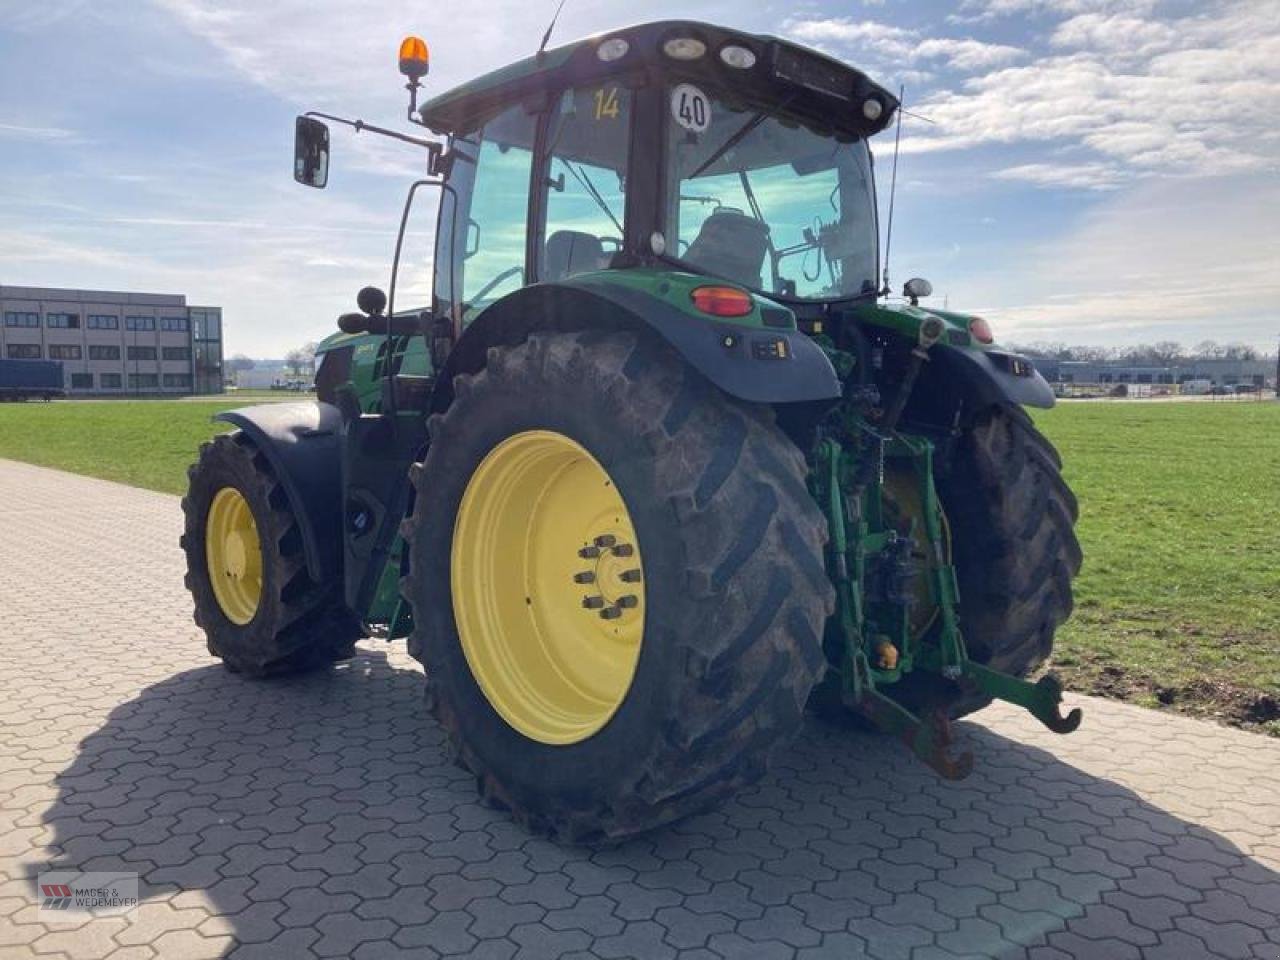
x=504, y=275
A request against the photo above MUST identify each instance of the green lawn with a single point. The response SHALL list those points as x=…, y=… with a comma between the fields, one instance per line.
x=146, y=443
x=1178, y=603
x=1179, y=600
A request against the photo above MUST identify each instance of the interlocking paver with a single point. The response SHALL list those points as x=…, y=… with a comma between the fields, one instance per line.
x=321, y=816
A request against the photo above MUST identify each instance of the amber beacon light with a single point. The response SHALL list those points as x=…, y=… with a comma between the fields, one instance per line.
x=415, y=60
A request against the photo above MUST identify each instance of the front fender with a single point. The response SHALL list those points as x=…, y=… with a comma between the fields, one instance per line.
x=303, y=445
x=992, y=376
x=757, y=364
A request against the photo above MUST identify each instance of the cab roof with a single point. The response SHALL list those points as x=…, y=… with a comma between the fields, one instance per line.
x=822, y=92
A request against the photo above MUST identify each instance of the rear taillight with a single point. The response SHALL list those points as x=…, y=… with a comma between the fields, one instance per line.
x=722, y=301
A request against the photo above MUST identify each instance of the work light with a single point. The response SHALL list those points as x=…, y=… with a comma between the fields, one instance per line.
x=684, y=48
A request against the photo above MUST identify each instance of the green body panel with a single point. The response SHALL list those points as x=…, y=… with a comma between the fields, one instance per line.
x=365, y=374
x=675, y=288
x=905, y=319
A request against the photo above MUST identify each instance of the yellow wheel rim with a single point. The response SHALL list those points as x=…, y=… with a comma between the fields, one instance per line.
x=548, y=590
x=233, y=554
x=904, y=506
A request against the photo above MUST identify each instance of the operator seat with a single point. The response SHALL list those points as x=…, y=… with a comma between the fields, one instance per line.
x=570, y=252
x=731, y=245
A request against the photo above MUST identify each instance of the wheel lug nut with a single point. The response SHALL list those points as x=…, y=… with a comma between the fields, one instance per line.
x=628, y=601
x=629, y=576
x=586, y=576
x=589, y=553
x=623, y=550
x=610, y=613
x=607, y=540
x=593, y=603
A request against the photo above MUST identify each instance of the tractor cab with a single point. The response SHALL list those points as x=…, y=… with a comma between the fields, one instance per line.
x=674, y=145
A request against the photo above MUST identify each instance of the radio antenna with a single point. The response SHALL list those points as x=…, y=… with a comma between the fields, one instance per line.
x=893, y=189
x=546, y=37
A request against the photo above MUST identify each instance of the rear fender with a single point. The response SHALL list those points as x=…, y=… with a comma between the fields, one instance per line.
x=733, y=357
x=303, y=445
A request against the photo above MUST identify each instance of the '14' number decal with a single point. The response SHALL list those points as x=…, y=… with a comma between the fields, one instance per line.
x=607, y=103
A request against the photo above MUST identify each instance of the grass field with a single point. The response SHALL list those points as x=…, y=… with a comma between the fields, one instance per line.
x=1178, y=605
x=145, y=443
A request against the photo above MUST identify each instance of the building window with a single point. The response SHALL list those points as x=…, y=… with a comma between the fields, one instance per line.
x=24, y=351
x=64, y=351
x=21, y=319
x=82, y=381
x=143, y=380
x=139, y=323
x=177, y=353
x=62, y=321
x=101, y=352
x=103, y=321
x=174, y=323
x=109, y=381
x=178, y=380
x=142, y=353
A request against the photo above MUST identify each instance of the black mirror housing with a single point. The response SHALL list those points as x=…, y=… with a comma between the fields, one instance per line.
x=311, y=152
x=371, y=300
x=915, y=288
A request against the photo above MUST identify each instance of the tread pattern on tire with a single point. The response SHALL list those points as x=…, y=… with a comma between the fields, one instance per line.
x=1014, y=544
x=305, y=625
x=750, y=537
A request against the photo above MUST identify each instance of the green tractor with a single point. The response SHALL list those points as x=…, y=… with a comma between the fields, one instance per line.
x=660, y=463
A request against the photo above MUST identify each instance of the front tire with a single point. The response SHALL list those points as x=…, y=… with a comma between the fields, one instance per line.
x=259, y=608
x=729, y=543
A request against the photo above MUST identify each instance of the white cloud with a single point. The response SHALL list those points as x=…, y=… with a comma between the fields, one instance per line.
x=1114, y=35
x=967, y=54
x=886, y=42
x=1196, y=96
x=1177, y=259
x=19, y=132
x=1091, y=176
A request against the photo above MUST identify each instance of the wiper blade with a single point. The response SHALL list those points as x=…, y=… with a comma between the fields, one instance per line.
x=732, y=142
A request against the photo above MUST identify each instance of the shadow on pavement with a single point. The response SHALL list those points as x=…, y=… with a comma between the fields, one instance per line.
x=321, y=815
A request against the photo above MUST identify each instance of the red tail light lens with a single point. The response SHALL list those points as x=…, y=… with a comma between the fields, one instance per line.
x=981, y=330
x=722, y=301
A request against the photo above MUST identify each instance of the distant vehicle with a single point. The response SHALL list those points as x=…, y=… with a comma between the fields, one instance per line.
x=1197, y=388
x=31, y=379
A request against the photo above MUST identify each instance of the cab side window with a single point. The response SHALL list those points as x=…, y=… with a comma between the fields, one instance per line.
x=588, y=137
x=493, y=238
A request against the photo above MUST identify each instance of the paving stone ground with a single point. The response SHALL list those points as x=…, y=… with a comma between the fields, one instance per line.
x=321, y=816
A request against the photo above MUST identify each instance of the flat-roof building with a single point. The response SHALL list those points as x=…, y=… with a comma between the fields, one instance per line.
x=115, y=343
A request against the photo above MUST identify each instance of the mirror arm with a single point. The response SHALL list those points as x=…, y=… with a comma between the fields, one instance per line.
x=360, y=126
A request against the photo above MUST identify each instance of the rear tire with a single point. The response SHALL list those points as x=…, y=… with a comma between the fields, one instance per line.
x=298, y=624
x=735, y=590
x=1015, y=552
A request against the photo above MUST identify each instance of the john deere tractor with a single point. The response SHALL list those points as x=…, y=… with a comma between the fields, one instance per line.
x=661, y=462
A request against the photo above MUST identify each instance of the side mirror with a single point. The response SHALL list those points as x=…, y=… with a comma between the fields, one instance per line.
x=915, y=288
x=371, y=300
x=311, y=152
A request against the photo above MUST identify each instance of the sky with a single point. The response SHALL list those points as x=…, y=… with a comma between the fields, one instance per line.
x=1094, y=171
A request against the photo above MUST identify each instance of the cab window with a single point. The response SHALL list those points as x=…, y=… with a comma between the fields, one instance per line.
x=588, y=136
x=493, y=248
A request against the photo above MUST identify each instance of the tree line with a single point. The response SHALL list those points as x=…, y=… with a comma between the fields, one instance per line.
x=1162, y=353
